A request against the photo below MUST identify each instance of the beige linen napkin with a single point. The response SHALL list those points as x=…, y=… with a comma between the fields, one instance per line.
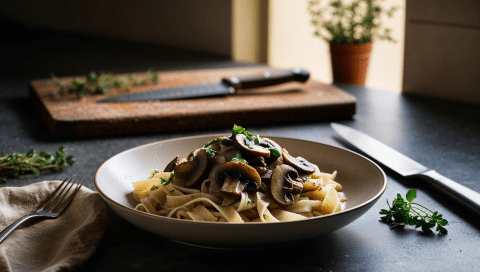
x=61, y=244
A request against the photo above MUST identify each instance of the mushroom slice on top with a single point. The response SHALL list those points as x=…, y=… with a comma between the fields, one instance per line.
x=249, y=148
x=283, y=184
x=270, y=144
x=298, y=163
x=194, y=171
x=234, y=177
x=171, y=165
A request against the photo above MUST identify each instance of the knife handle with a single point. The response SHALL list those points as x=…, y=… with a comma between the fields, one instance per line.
x=459, y=192
x=268, y=79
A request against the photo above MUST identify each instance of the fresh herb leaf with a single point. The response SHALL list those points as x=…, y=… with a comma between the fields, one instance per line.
x=154, y=187
x=100, y=89
x=239, y=158
x=170, y=179
x=154, y=172
x=250, y=202
x=92, y=77
x=78, y=84
x=118, y=82
x=237, y=130
x=411, y=195
x=153, y=76
x=275, y=152
x=171, y=191
x=15, y=164
x=250, y=141
x=214, y=141
x=403, y=213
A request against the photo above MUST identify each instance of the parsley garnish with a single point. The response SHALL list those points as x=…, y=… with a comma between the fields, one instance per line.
x=250, y=202
x=154, y=187
x=170, y=179
x=171, y=191
x=275, y=152
x=15, y=164
x=240, y=130
x=239, y=158
x=251, y=141
x=403, y=213
x=214, y=141
x=154, y=172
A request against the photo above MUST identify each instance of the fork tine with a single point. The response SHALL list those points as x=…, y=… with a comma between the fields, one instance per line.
x=52, y=196
x=65, y=203
x=62, y=195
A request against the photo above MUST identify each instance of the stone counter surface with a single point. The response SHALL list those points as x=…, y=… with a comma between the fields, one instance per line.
x=441, y=135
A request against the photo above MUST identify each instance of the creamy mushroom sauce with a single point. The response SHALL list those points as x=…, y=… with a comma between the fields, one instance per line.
x=240, y=178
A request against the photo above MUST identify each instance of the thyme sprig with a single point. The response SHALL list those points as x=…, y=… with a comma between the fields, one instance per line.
x=16, y=164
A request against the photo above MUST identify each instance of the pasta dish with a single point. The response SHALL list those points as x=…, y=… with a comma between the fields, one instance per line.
x=239, y=178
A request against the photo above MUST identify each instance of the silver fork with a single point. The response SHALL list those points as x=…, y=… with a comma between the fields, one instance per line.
x=52, y=207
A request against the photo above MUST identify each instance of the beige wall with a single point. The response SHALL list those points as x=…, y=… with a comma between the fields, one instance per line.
x=291, y=43
x=197, y=25
x=250, y=30
x=442, y=49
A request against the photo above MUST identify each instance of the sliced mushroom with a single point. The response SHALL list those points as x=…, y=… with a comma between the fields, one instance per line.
x=266, y=176
x=258, y=161
x=171, y=165
x=235, y=177
x=270, y=144
x=259, y=164
x=260, y=170
x=194, y=171
x=226, y=141
x=233, y=186
x=298, y=163
x=283, y=184
x=272, y=165
x=249, y=148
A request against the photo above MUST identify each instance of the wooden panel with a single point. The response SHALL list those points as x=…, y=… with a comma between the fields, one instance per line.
x=69, y=116
x=459, y=12
x=443, y=62
x=442, y=59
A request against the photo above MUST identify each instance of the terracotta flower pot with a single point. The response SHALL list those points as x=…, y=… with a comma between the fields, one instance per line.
x=350, y=62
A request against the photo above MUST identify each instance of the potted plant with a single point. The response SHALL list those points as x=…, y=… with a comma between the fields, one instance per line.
x=350, y=29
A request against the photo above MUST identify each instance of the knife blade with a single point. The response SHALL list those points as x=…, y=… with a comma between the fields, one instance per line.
x=226, y=86
x=407, y=167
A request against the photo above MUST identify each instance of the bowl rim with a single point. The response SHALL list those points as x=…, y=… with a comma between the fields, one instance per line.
x=176, y=220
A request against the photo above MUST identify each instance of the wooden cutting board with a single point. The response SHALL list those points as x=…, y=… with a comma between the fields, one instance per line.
x=68, y=115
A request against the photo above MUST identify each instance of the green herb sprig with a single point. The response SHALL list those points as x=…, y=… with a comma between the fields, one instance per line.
x=403, y=213
x=16, y=164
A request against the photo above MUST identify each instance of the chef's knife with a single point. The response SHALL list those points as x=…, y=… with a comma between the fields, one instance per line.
x=227, y=86
x=406, y=166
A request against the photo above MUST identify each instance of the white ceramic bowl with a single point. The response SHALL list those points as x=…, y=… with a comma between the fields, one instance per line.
x=362, y=180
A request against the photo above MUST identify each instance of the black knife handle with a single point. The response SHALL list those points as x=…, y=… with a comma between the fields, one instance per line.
x=268, y=79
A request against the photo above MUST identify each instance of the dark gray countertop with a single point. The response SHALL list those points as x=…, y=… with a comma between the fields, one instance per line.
x=441, y=135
